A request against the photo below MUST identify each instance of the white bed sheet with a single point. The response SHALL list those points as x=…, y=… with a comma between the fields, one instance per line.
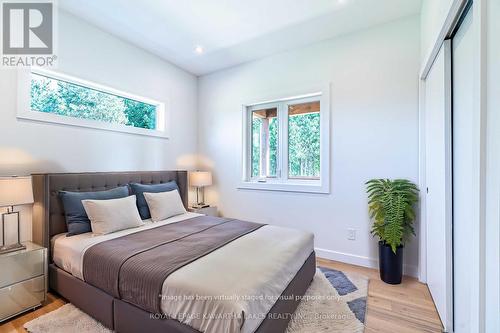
x=68, y=251
x=240, y=281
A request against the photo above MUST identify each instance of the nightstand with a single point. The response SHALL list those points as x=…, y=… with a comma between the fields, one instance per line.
x=23, y=280
x=210, y=211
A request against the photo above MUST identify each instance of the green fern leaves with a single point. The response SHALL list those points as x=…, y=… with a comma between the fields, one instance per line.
x=391, y=206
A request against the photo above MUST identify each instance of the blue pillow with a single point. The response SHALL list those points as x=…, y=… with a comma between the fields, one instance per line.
x=139, y=189
x=77, y=220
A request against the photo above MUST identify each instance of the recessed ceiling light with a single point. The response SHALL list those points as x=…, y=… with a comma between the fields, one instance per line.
x=199, y=49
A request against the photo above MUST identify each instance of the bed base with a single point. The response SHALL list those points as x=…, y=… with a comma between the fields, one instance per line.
x=124, y=317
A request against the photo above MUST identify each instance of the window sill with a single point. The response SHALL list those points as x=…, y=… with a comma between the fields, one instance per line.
x=69, y=121
x=301, y=187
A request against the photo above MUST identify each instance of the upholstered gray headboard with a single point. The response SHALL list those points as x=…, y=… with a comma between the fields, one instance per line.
x=48, y=213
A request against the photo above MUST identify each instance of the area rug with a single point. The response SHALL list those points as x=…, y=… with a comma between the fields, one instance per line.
x=335, y=302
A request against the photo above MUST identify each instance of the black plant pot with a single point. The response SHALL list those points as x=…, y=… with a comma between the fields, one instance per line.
x=390, y=263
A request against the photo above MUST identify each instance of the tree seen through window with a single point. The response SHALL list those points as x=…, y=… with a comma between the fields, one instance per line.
x=63, y=98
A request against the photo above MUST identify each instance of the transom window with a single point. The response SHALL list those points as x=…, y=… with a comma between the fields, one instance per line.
x=59, y=98
x=286, y=145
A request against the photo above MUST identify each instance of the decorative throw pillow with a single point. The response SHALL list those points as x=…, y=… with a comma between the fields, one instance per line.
x=139, y=189
x=77, y=221
x=107, y=216
x=164, y=205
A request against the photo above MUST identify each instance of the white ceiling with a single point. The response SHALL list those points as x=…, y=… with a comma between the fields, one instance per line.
x=232, y=31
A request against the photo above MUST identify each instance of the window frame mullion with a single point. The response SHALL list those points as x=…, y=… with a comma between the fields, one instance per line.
x=283, y=144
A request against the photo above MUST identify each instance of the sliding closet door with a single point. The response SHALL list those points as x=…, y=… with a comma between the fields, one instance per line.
x=438, y=182
x=463, y=168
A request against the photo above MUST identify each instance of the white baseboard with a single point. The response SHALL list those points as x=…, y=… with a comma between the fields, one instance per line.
x=348, y=258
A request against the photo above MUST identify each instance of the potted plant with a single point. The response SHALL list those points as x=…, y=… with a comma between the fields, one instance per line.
x=391, y=205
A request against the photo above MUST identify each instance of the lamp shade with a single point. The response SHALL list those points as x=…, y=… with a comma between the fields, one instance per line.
x=15, y=191
x=200, y=178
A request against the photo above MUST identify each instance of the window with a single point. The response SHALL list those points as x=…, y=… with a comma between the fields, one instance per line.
x=62, y=99
x=286, y=144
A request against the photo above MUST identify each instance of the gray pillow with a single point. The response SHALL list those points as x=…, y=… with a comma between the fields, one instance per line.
x=139, y=189
x=77, y=220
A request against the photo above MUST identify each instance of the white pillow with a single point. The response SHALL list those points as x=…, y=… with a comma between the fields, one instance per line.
x=108, y=216
x=163, y=205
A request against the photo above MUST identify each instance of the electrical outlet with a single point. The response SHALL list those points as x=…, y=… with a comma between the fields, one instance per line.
x=351, y=234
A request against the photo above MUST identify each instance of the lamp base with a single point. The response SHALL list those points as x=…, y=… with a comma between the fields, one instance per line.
x=201, y=205
x=11, y=248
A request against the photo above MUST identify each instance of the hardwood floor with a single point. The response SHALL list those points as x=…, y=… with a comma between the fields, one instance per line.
x=16, y=324
x=404, y=308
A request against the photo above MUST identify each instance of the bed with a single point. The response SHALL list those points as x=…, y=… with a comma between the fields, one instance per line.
x=251, y=283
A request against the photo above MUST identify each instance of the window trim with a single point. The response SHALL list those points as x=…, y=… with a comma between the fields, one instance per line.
x=284, y=183
x=25, y=112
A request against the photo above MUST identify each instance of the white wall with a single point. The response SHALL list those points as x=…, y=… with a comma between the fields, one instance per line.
x=374, y=133
x=433, y=16
x=91, y=54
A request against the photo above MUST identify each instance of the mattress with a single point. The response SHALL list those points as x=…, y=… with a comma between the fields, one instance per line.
x=229, y=290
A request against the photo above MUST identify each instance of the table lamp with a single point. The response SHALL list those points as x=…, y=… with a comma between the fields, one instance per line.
x=200, y=179
x=14, y=191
